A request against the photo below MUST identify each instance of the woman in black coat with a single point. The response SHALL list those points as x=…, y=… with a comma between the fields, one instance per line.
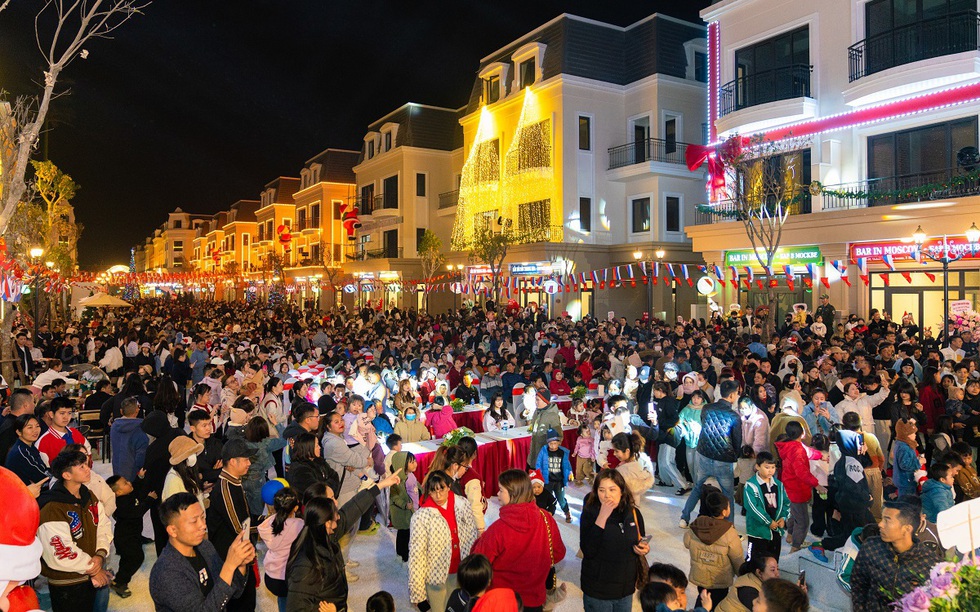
x=157, y=425
x=307, y=467
x=612, y=536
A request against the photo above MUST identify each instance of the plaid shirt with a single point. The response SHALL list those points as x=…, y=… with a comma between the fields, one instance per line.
x=882, y=576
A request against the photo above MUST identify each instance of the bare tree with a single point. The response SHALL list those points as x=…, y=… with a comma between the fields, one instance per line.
x=62, y=29
x=763, y=187
x=430, y=253
x=331, y=265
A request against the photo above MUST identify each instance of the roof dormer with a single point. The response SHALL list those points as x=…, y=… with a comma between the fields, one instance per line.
x=389, y=136
x=371, y=141
x=495, y=76
x=527, y=62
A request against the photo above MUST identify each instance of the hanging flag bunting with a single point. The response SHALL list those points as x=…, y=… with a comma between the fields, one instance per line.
x=719, y=274
x=629, y=269
x=907, y=276
x=825, y=281
x=670, y=270
x=734, y=273
x=687, y=277
x=889, y=261
x=769, y=271
x=758, y=282
x=605, y=278
x=789, y=283
x=885, y=279
x=788, y=271
x=839, y=266
x=750, y=273
x=808, y=282
x=656, y=271
x=617, y=277
x=931, y=277
x=595, y=279
x=643, y=269
x=583, y=281
x=862, y=264
x=703, y=269
x=812, y=269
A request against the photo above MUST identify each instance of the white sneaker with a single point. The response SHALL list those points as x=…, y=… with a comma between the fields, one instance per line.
x=353, y=564
x=351, y=577
x=682, y=524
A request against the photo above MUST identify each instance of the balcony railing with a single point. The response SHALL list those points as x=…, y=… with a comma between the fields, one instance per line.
x=954, y=33
x=769, y=86
x=649, y=149
x=365, y=206
x=448, y=199
x=725, y=211
x=358, y=254
x=885, y=191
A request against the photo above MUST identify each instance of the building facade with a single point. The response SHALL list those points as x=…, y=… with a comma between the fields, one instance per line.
x=879, y=100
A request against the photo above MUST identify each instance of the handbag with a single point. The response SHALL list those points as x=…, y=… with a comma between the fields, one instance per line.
x=553, y=575
x=642, y=567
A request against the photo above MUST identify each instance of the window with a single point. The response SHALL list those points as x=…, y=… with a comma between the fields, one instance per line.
x=268, y=229
x=337, y=215
x=670, y=135
x=231, y=242
x=177, y=223
x=485, y=220
x=924, y=155
x=301, y=219
x=672, y=214
x=370, y=149
x=261, y=233
x=898, y=32
x=387, y=141
x=488, y=150
x=585, y=214
x=584, y=133
x=391, y=192
x=534, y=148
x=419, y=235
x=774, y=69
x=491, y=89
x=527, y=70
x=420, y=184
x=367, y=200
x=178, y=246
x=700, y=67
x=315, y=252
x=314, y=215
x=245, y=238
x=784, y=176
x=641, y=215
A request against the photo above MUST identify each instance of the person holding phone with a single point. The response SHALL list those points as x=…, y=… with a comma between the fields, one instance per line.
x=614, y=545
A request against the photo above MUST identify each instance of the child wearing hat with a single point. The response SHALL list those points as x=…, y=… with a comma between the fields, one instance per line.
x=554, y=464
x=543, y=498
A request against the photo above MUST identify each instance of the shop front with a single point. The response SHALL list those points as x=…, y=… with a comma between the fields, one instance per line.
x=753, y=294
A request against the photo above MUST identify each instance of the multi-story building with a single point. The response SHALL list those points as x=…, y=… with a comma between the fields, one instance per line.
x=276, y=209
x=238, y=233
x=575, y=137
x=874, y=104
x=407, y=181
x=170, y=248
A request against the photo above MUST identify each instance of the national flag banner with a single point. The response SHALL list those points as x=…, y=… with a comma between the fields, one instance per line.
x=750, y=273
x=838, y=265
x=687, y=276
x=748, y=283
x=643, y=268
x=773, y=282
x=789, y=283
x=885, y=279
x=719, y=273
x=758, y=283
x=656, y=269
x=847, y=281
x=703, y=269
x=734, y=272
x=595, y=279
x=605, y=278
x=617, y=277
x=826, y=282
x=788, y=271
x=583, y=281
x=916, y=253
x=889, y=261
x=769, y=271
x=808, y=282
x=629, y=270
x=812, y=269
x=670, y=270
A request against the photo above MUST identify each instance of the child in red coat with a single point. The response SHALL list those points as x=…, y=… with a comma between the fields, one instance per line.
x=798, y=481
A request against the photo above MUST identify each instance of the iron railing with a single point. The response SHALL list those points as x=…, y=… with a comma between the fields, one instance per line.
x=648, y=149
x=359, y=254
x=925, y=39
x=768, y=86
x=901, y=189
x=725, y=211
x=448, y=199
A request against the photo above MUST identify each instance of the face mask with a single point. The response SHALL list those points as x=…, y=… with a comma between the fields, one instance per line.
x=410, y=417
x=192, y=461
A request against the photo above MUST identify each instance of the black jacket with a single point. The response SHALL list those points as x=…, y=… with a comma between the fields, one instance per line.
x=207, y=459
x=302, y=474
x=721, y=432
x=226, y=513
x=131, y=508
x=609, y=563
x=157, y=460
x=306, y=590
x=668, y=413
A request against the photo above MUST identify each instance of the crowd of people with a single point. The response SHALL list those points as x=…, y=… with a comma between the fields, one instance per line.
x=850, y=435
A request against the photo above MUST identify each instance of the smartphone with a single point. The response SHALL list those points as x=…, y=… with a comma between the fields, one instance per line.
x=246, y=526
x=802, y=580
x=646, y=538
x=861, y=439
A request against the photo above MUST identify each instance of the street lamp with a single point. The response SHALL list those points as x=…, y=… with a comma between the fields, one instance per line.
x=637, y=256
x=660, y=253
x=944, y=257
x=36, y=254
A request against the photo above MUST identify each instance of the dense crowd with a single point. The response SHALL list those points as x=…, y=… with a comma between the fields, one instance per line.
x=239, y=427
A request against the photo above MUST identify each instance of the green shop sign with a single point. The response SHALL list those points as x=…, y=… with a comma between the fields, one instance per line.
x=785, y=256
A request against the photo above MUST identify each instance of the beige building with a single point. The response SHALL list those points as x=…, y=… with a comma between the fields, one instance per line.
x=883, y=96
x=171, y=247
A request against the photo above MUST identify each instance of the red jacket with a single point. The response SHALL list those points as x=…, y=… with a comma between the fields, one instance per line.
x=796, y=476
x=933, y=405
x=517, y=546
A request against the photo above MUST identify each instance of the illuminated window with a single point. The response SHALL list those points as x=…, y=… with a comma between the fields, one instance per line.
x=534, y=216
x=314, y=215
x=485, y=220
x=641, y=215
x=178, y=246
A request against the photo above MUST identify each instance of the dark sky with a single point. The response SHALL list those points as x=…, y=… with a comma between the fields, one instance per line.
x=198, y=103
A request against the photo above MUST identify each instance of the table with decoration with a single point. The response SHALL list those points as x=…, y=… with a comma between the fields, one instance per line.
x=495, y=452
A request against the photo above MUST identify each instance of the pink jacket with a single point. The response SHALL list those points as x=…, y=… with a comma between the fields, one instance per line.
x=441, y=421
x=584, y=448
x=278, y=545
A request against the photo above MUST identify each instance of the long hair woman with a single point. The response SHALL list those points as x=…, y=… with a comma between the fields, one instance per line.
x=443, y=531
x=634, y=465
x=609, y=562
x=496, y=417
x=523, y=543
x=171, y=401
x=452, y=461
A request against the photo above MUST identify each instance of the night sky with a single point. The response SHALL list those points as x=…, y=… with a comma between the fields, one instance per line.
x=199, y=103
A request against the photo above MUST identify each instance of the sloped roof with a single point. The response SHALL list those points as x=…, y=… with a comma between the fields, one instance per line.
x=337, y=165
x=243, y=211
x=284, y=188
x=425, y=127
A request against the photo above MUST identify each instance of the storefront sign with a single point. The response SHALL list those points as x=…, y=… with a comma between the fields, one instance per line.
x=482, y=270
x=875, y=251
x=534, y=268
x=960, y=306
x=785, y=256
x=706, y=286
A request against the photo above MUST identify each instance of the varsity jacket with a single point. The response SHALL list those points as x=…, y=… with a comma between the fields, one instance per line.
x=72, y=531
x=757, y=520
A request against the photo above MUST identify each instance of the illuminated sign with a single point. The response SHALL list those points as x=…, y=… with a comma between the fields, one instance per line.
x=875, y=251
x=785, y=256
x=535, y=268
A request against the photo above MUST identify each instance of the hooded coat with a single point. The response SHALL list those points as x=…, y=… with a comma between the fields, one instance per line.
x=522, y=545
x=936, y=497
x=716, y=552
x=401, y=504
x=157, y=425
x=129, y=444
x=796, y=477
x=853, y=492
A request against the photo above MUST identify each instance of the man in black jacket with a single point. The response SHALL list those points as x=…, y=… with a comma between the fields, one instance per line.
x=21, y=402
x=229, y=510
x=718, y=448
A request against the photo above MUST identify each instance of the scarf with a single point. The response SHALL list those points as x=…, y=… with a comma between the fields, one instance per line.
x=449, y=515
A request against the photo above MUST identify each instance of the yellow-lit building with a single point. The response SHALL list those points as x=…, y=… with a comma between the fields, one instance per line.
x=276, y=209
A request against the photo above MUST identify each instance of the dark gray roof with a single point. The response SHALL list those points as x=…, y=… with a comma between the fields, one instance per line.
x=244, y=211
x=284, y=188
x=337, y=165
x=604, y=52
x=425, y=127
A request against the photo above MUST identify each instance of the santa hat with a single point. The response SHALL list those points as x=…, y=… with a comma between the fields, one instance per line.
x=20, y=549
x=536, y=477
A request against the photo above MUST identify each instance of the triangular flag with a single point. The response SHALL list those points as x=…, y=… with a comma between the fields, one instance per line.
x=758, y=282
x=886, y=280
x=932, y=277
x=826, y=282
x=789, y=283
x=907, y=276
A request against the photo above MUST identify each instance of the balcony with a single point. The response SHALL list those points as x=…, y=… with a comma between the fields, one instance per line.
x=768, y=86
x=647, y=150
x=359, y=254
x=726, y=211
x=926, y=39
x=902, y=189
x=448, y=199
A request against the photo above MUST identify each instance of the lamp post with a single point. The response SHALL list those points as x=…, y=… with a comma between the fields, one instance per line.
x=36, y=254
x=660, y=253
x=944, y=257
x=637, y=256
